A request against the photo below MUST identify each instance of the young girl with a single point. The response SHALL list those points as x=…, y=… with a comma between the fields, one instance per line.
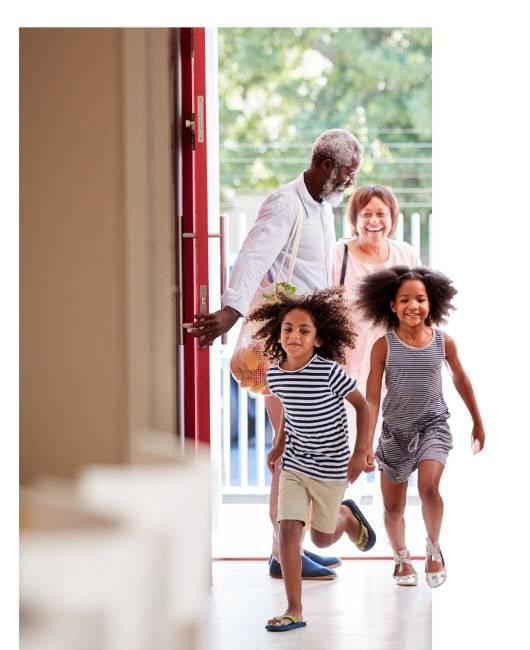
x=307, y=336
x=415, y=433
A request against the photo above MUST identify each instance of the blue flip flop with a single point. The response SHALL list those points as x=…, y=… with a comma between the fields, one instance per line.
x=284, y=628
x=364, y=526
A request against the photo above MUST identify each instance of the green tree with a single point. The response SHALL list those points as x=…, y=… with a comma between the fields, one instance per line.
x=280, y=88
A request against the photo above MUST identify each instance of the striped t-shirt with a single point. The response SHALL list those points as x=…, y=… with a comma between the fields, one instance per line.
x=316, y=428
x=414, y=381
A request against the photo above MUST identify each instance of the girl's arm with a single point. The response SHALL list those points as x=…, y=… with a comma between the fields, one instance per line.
x=373, y=386
x=359, y=459
x=279, y=446
x=465, y=390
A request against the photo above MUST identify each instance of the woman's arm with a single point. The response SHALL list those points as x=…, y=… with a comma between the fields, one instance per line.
x=337, y=263
x=465, y=390
x=366, y=422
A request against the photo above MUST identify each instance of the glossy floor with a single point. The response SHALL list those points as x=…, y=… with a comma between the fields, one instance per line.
x=360, y=609
x=245, y=531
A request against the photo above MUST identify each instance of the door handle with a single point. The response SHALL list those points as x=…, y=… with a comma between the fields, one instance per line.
x=221, y=235
x=203, y=298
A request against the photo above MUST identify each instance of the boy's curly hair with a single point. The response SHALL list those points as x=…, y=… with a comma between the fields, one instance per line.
x=378, y=289
x=329, y=312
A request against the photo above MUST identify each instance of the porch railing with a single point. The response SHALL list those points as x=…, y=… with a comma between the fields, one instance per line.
x=246, y=434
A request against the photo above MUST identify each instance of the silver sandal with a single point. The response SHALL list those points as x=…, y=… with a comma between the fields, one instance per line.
x=434, y=578
x=410, y=580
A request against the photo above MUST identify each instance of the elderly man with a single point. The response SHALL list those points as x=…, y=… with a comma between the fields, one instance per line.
x=336, y=157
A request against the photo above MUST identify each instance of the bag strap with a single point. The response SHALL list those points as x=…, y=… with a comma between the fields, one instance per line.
x=344, y=263
x=296, y=243
x=294, y=238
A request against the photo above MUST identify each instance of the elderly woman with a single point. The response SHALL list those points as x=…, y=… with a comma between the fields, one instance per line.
x=373, y=214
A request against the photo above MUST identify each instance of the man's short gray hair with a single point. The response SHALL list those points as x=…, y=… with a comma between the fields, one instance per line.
x=340, y=146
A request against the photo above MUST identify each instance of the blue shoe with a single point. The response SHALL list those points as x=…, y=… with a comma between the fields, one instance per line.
x=329, y=562
x=310, y=570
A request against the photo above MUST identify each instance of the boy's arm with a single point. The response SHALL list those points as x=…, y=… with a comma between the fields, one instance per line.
x=359, y=459
x=279, y=446
x=373, y=386
x=465, y=390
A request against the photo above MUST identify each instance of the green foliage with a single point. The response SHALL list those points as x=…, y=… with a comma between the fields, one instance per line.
x=280, y=88
x=285, y=287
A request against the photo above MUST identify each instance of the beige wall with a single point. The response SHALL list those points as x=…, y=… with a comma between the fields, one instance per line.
x=96, y=343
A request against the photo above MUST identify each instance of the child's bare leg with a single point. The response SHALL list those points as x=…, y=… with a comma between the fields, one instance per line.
x=290, y=536
x=432, y=506
x=394, y=501
x=346, y=523
x=273, y=510
x=275, y=411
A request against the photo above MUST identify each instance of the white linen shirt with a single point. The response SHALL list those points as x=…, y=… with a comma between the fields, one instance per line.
x=264, y=247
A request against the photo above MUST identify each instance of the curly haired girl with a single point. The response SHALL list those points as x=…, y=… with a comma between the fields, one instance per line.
x=329, y=313
x=415, y=433
x=307, y=336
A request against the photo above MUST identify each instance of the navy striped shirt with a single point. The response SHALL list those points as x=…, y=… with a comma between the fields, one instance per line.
x=414, y=381
x=316, y=428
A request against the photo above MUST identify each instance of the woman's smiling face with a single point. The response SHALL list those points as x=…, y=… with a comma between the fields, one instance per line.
x=374, y=222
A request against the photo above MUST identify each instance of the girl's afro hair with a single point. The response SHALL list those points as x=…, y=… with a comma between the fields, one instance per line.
x=378, y=289
x=329, y=312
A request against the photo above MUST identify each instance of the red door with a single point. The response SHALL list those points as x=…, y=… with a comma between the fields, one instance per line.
x=193, y=376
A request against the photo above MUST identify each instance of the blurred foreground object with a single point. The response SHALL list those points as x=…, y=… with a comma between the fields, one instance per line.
x=101, y=557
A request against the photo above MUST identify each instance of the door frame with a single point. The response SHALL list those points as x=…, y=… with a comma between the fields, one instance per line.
x=191, y=228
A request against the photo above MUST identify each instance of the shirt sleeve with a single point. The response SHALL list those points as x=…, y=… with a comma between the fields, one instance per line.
x=339, y=382
x=338, y=259
x=416, y=261
x=265, y=241
x=408, y=255
x=414, y=258
x=268, y=376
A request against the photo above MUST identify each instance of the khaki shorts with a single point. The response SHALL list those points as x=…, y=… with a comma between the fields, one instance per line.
x=298, y=490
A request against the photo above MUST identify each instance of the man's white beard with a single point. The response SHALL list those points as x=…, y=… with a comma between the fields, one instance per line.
x=330, y=194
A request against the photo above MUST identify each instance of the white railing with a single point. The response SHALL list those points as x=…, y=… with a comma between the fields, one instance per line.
x=250, y=476
x=249, y=470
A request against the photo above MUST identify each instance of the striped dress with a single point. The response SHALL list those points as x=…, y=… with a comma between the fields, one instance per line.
x=414, y=410
x=316, y=427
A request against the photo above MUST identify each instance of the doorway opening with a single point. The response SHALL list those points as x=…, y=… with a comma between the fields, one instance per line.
x=278, y=90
